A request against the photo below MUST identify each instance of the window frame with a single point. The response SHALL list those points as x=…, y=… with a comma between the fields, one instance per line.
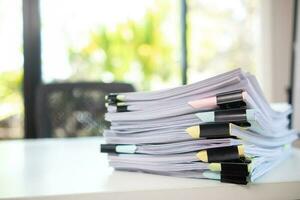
x=32, y=58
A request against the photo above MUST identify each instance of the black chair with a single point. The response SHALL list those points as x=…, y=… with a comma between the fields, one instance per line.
x=73, y=109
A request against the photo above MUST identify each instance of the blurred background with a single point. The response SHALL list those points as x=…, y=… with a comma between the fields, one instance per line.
x=59, y=57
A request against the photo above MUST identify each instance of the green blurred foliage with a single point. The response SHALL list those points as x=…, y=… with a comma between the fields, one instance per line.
x=11, y=86
x=132, y=50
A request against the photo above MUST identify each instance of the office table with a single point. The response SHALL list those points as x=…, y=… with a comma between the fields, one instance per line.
x=74, y=169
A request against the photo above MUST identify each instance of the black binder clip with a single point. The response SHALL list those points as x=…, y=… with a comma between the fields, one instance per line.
x=216, y=130
x=225, y=153
x=112, y=99
x=236, y=168
x=236, y=116
x=122, y=108
x=235, y=171
x=232, y=99
x=108, y=148
x=242, y=180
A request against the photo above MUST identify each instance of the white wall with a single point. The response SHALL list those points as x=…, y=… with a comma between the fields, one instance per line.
x=276, y=53
x=276, y=38
x=296, y=91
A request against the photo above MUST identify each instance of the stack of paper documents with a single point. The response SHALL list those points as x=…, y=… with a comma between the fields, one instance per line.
x=219, y=128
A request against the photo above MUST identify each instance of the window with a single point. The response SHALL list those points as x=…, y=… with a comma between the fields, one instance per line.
x=130, y=41
x=136, y=41
x=11, y=63
x=222, y=35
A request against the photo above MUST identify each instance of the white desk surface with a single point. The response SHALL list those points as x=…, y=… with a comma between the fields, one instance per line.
x=74, y=169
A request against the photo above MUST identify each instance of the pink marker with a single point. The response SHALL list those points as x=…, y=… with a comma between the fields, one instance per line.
x=232, y=97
